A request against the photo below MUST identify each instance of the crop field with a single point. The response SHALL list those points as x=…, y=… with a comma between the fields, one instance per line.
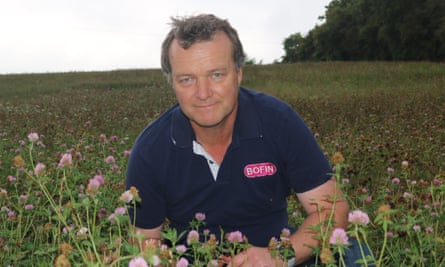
x=65, y=139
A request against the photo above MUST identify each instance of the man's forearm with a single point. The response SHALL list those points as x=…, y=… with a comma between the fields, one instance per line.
x=147, y=237
x=308, y=235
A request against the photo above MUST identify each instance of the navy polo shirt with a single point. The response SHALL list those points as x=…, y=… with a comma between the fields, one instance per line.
x=271, y=152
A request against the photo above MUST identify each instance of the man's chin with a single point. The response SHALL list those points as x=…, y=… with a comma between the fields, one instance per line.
x=207, y=123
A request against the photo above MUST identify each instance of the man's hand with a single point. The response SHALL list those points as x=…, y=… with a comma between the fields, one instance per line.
x=254, y=257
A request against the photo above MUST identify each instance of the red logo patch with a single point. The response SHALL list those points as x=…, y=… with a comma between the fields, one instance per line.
x=260, y=169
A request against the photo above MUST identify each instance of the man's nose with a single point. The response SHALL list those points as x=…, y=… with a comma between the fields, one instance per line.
x=203, y=88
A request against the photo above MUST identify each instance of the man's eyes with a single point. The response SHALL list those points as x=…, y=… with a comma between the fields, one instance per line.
x=217, y=75
x=185, y=80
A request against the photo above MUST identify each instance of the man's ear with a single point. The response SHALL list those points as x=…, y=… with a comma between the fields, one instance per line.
x=240, y=76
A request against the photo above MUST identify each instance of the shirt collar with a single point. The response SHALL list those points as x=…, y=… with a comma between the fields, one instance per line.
x=247, y=123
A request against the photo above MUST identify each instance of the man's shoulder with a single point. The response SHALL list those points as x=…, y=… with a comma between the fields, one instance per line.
x=265, y=104
x=157, y=129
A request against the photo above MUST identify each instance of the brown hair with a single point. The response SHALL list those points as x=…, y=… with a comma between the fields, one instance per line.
x=190, y=30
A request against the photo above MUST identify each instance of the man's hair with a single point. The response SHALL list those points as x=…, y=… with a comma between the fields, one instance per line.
x=190, y=30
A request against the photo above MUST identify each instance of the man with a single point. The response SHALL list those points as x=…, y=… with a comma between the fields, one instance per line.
x=228, y=152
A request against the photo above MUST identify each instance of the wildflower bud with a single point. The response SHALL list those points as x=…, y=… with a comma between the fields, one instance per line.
x=18, y=162
x=126, y=196
x=358, y=217
x=181, y=249
x=103, y=138
x=93, y=187
x=33, y=137
x=285, y=233
x=155, y=260
x=235, y=237
x=110, y=159
x=408, y=195
x=99, y=178
x=338, y=158
x=39, y=169
x=183, y=262
x=66, y=161
x=165, y=254
x=66, y=248
x=11, y=215
x=62, y=261
x=200, y=216
x=405, y=164
x=3, y=193
x=82, y=233
x=135, y=192
x=395, y=181
x=326, y=256
x=102, y=213
x=120, y=211
x=213, y=263
x=23, y=198
x=339, y=237
x=112, y=218
x=273, y=244
x=384, y=210
x=192, y=237
x=212, y=242
x=138, y=262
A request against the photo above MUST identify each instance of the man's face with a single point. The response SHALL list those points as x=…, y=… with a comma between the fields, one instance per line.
x=206, y=81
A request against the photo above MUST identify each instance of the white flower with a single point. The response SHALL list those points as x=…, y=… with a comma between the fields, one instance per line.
x=33, y=137
x=126, y=196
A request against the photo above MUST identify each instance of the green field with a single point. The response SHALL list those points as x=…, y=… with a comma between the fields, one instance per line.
x=387, y=119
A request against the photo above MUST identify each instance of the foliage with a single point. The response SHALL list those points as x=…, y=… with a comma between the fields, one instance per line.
x=385, y=119
x=374, y=30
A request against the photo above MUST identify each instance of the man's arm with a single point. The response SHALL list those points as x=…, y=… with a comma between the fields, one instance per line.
x=319, y=204
x=145, y=237
x=303, y=240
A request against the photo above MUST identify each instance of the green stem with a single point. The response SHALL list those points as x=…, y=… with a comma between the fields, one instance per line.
x=60, y=216
x=420, y=249
x=360, y=245
x=54, y=206
x=385, y=240
x=341, y=260
x=90, y=232
x=120, y=237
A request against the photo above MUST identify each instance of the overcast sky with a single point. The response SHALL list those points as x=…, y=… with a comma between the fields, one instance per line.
x=86, y=35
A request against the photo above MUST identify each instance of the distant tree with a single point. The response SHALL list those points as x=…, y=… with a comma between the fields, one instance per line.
x=373, y=30
x=291, y=47
x=253, y=61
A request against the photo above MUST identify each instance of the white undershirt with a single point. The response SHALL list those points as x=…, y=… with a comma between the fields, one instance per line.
x=213, y=165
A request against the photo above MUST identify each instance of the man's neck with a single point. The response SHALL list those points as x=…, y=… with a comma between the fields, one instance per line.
x=215, y=140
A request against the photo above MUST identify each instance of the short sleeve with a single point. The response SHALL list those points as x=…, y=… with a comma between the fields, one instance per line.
x=306, y=166
x=141, y=173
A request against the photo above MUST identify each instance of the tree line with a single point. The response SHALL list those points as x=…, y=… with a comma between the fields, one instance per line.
x=373, y=30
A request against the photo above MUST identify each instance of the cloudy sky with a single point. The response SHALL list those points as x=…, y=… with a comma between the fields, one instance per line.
x=85, y=35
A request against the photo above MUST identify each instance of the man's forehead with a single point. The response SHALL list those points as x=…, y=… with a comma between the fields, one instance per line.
x=186, y=44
